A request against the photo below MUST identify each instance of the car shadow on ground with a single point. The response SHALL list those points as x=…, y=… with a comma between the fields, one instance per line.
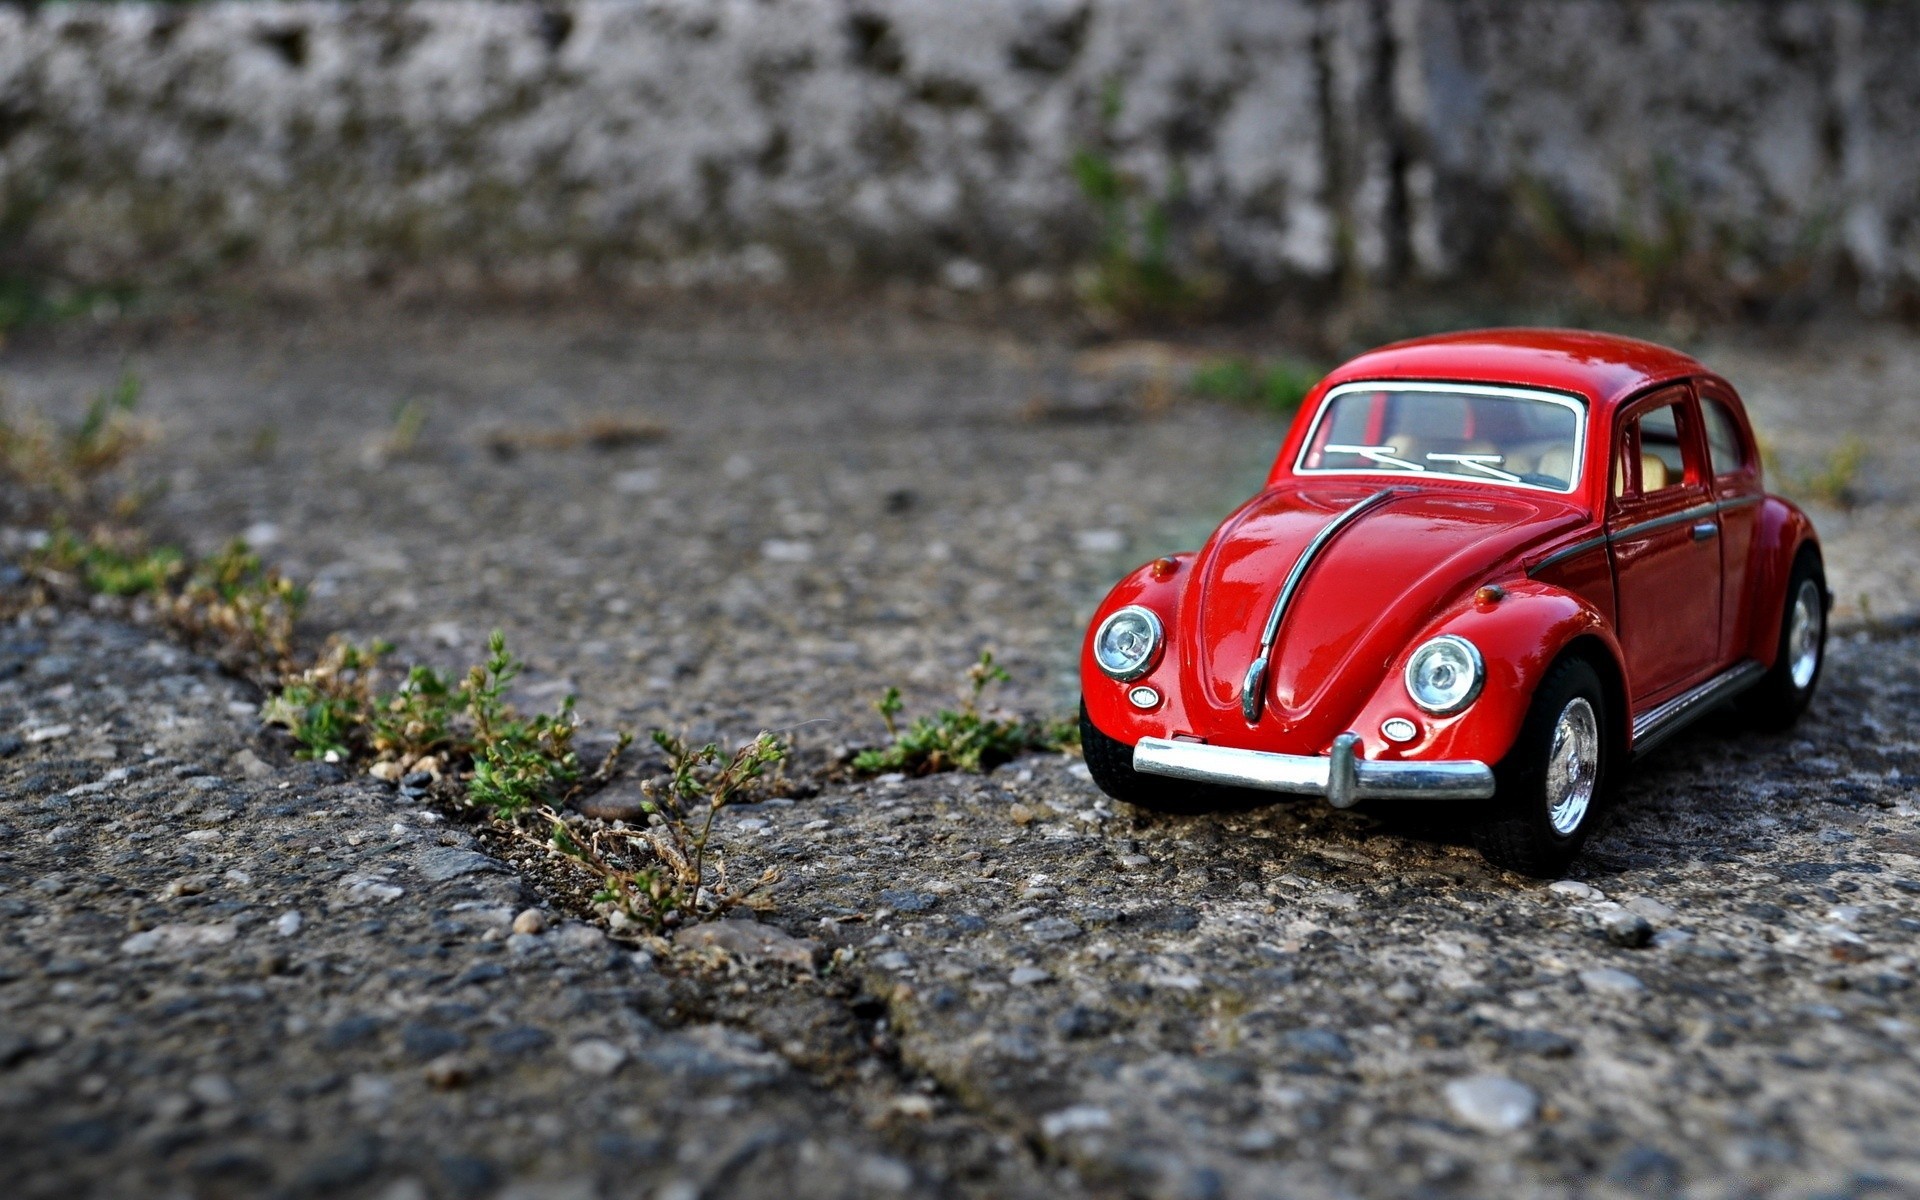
x=1698, y=798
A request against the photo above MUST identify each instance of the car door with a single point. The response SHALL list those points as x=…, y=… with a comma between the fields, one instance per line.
x=1737, y=493
x=1664, y=538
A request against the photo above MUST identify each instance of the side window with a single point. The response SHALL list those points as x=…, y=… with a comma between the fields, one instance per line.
x=1724, y=445
x=1652, y=452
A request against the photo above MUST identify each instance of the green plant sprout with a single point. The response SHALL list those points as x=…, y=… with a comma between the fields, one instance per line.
x=962, y=739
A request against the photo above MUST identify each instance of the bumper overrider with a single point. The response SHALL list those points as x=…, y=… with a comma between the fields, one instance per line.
x=1343, y=777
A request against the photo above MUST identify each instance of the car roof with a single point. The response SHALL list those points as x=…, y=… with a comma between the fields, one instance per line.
x=1600, y=366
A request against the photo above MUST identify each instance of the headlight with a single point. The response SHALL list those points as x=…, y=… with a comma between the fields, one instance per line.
x=1445, y=675
x=1127, y=643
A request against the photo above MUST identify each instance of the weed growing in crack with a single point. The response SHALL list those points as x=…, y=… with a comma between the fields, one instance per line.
x=327, y=707
x=698, y=785
x=963, y=739
x=510, y=764
x=108, y=565
x=62, y=467
x=458, y=730
x=516, y=763
x=241, y=608
x=231, y=605
x=661, y=874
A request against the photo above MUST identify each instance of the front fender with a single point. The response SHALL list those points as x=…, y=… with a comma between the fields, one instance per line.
x=1156, y=585
x=1519, y=637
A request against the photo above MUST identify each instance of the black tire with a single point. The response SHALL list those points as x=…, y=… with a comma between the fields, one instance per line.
x=1776, y=702
x=1110, y=762
x=1517, y=832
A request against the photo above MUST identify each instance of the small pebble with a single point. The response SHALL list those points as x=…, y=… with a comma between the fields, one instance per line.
x=1492, y=1103
x=902, y=900
x=1318, y=1045
x=616, y=804
x=1610, y=982
x=1402, y=991
x=1628, y=929
x=1648, y=907
x=288, y=924
x=448, y=1071
x=212, y=1091
x=596, y=1056
x=1573, y=889
x=578, y=937
x=1081, y=1118
x=530, y=921
x=1053, y=929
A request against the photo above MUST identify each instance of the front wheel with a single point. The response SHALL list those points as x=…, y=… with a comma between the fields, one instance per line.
x=1550, y=786
x=1784, y=692
x=1110, y=762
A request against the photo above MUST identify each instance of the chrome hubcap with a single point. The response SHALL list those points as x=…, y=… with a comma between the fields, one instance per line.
x=1807, y=622
x=1573, y=766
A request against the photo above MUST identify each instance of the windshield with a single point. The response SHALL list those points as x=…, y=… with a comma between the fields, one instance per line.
x=1460, y=431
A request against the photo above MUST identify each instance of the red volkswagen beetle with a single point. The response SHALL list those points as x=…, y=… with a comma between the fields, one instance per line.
x=1488, y=568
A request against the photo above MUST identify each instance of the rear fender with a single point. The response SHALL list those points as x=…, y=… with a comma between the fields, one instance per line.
x=1779, y=535
x=1519, y=637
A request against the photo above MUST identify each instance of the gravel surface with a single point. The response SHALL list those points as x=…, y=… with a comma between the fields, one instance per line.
x=223, y=973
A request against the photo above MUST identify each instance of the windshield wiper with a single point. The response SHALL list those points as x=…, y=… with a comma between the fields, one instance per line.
x=1479, y=462
x=1383, y=455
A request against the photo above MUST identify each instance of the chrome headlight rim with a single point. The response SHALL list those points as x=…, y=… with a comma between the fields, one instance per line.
x=1478, y=664
x=1146, y=664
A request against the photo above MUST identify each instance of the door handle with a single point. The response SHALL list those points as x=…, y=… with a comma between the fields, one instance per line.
x=1705, y=530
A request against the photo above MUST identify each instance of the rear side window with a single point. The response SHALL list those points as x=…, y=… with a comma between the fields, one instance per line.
x=1724, y=445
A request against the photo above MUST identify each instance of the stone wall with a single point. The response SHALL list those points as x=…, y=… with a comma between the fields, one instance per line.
x=677, y=141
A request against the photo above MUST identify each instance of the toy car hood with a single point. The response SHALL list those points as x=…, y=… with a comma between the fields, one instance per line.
x=1371, y=589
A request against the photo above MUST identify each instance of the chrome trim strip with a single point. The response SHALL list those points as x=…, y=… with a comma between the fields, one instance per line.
x=1342, y=777
x=1685, y=514
x=1573, y=551
x=1655, y=725
x=1594, y=543
x=1254, y=685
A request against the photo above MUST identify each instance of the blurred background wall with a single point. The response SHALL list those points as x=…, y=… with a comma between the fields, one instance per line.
x=1158, y=149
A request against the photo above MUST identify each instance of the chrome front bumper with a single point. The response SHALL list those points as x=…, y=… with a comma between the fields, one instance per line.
x=1342, y=777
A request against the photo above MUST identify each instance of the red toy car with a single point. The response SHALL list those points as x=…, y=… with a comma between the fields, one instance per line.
x=1487, y=567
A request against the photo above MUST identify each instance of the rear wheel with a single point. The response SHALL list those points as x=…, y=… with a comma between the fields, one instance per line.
x=1110, y=762
x=1550, y=786
x=1784, y=692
